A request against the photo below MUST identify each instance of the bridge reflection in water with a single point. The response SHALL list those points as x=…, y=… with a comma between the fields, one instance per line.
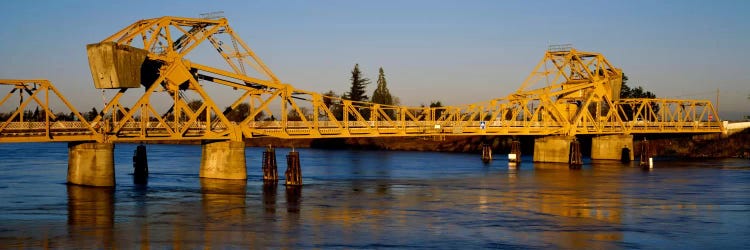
x=223, y=208
x=537, y=206
x=91, y=217
x=555, y=201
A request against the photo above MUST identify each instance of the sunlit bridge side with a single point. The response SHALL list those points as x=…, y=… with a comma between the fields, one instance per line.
x=569, y=92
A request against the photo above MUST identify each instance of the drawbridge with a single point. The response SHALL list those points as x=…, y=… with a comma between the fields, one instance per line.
x=568, y=93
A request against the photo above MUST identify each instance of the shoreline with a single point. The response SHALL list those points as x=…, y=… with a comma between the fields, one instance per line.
x=689, y=146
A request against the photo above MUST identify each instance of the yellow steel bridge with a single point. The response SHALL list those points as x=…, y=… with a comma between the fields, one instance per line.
x=569, y=92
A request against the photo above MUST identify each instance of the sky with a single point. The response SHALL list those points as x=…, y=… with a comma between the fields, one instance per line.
x=455, y=52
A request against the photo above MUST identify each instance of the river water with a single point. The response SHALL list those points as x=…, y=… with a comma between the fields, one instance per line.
x=374, y=199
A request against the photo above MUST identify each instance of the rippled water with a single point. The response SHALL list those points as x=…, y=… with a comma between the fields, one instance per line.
x=374, y=199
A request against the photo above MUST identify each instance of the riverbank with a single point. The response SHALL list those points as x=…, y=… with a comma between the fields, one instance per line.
x=669, y=145
x=703, y=146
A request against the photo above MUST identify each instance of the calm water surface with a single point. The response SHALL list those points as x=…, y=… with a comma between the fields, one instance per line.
x=374, y=199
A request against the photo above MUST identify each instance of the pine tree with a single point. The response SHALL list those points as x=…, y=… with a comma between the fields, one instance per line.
x=357, y=92
x=382, y=95
x=359, y=83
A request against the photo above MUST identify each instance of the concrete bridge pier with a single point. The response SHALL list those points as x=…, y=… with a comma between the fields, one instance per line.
x=223, y=160
x=609, y=147
x=552, y=149
x=91, y=164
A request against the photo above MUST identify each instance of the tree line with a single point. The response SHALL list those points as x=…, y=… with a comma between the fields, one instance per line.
x=357, y=93
x=637, y=92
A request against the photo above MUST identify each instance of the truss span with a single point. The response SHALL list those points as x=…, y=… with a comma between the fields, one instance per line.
x=569, y=92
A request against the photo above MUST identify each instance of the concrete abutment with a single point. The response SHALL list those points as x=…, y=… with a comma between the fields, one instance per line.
x=223, y=160
x=609, y=147
x=552, y=149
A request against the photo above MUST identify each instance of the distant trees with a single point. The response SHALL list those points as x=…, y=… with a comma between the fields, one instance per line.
x=91, y=115
x=331, y=101
x=638, y=92
x=438, y=112
x=194, y=105
x=435, y=104
x=357, y=91
x=382, y=95
x=38, y=116
x=358, y=85
x=237, y=114
x=293, y=115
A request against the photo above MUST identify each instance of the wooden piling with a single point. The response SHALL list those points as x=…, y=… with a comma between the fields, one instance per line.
x=270, y=169
x=515, y=149
x=625, y=155
x=293, y=171
x=486, y=153
x=575, y=159
x=140, y=165
x=645, y=155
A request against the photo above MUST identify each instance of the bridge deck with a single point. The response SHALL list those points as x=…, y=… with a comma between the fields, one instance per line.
x=132, y=131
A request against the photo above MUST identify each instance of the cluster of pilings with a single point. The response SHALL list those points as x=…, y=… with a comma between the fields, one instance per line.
x=293, y=172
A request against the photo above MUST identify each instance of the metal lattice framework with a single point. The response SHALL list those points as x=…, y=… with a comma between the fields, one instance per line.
x=44, y=125
x=569, y=92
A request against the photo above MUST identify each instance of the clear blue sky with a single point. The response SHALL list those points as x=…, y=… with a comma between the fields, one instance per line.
x=453, y=51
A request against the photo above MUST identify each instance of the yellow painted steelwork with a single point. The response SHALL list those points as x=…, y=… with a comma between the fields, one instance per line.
x=569, y=92
x=39, y=92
